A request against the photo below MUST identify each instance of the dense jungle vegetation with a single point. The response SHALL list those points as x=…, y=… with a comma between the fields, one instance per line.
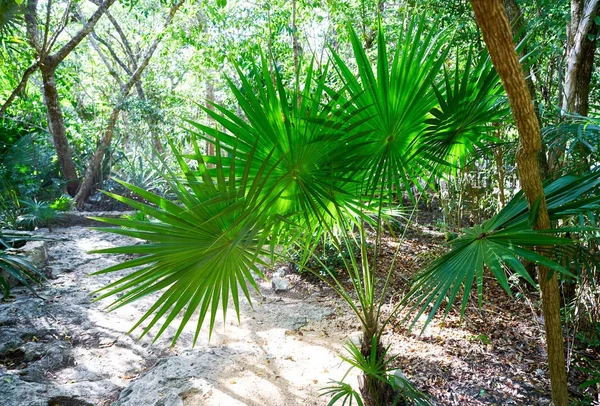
x=244, y=133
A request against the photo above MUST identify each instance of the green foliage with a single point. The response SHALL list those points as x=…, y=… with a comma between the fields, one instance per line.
x=391, y=104
x=140, y=172
x=16, y=266
x=62, y=203
x=9, y=205
x=324, y=258
x=11, y=15
x=341, y=391
x=303, y=164
x=378, y=367
x=499, y=243
x=138, y=215
x=469, y=103
x=201, y=250
x=36, y=214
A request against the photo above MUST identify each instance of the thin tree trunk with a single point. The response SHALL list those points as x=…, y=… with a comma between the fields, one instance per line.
x=210, y=99
x=56, y=125
x=295, y=43
x=518, y=27
x=492, y=20
x=578, y=70
x=499, y=157
x=104, y=143
x=584, y=76
x=582, y=20
x=42, y=44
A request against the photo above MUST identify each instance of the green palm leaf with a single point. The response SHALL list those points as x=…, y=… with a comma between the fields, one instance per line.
x=498, y=245
x=470, y=101
x=392, y=105
x=300, y=135
x=11, y=16
x=201, y=250
x=17, y=266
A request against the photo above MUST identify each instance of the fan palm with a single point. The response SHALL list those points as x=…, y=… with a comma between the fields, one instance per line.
x=11, y=15
x=201, y=248
x=304, y=163
x=499, y=243
x=469, y=102
x=16, y=266
x=391, y=104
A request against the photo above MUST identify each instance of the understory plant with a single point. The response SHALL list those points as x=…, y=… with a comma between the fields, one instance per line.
x=326, y=159
x=13, y=265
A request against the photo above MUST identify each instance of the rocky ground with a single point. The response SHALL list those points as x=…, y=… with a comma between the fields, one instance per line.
x=61, y=348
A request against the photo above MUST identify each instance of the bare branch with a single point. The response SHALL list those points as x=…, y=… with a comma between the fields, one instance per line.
x=20, y=87
x=62, y=53
x=46, y=29
x=112, y=53
x=63, y=25
x=124, y=40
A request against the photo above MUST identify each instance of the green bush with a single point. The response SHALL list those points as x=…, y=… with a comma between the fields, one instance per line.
x=63, y=203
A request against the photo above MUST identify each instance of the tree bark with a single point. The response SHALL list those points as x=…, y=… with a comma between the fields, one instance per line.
x=42, y=45
x=95, y=162
x=582, y=22
x=56, y=126
x=210, y=99
x=578, y=68
x=493, y=22
x=584, y=76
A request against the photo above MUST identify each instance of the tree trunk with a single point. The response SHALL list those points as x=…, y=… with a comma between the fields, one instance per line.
x=375, y=392
x=210, y=99
x=42, y=45
x=580, y=27
x=499, y=157
x=295, y=43
x=584, y=76
x=56, y=125
x=492, y=20
x=93, y=167
x=578, y=70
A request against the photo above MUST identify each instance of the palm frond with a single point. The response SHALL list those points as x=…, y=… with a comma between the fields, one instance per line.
x=470, y=102
x=17, y=266
x=498, y=245
x=391, y=105
x=300, y=135
x=11, y=16
x=201, y=250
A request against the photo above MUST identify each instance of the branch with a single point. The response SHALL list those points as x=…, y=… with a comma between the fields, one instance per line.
x=28, y=72
x=140, y=69
x=112, y=53
x=33, y=33
x=45, y=50
x=124, y=40
x=63, y=25
x=62, y=53
x=93, y=38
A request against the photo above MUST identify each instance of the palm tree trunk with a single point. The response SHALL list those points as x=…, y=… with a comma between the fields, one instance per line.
x=492, y=20
x=375, y=392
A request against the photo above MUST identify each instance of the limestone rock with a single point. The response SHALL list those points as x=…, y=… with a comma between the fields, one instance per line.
x=280, y=284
